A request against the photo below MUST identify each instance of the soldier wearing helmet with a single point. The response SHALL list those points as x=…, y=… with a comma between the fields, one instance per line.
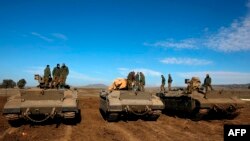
x=170, y=80
x=207, y=83
x=47, y=76
x=64, y=71
x=56, y=75
x=142, y=81
x=163, y=81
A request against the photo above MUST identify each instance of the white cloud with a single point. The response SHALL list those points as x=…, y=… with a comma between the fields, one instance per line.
x=146, y=72
x=219, y=77
x=233, y=38
x=248, y=4
x=35, y=70
x=41, y=36
x=60, y=36
x=185, y=61
x=170, y=43
x=81, y=76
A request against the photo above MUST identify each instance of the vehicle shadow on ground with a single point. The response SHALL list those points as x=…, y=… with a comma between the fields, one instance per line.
x=57, y=121
x=197, y=117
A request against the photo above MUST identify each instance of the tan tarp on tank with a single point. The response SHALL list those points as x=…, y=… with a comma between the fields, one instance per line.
x=118, y=84
x=194, y=84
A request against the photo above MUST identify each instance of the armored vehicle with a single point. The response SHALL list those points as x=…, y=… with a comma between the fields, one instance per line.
x=121, y=102
x=192, y=103
x=38, y=105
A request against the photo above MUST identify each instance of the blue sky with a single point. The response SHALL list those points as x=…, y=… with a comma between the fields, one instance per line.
x=100, y=40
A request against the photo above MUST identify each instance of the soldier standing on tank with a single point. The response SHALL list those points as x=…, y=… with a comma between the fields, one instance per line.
x=64, y=71
x=130, y=79
x=142, y=81
x=137, y=81
x=56, y=75
x=207, y=83
x=170, y=80
x=163, y=81
x=47, y=76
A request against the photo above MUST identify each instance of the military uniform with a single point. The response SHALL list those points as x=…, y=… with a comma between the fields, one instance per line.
x=163, y=81
x=56, y=75
x=64, y=71
x=142, y=81
x=207, y=83
x=47, y=76
x=170, y=80
x=130, y=80
x=137, y=81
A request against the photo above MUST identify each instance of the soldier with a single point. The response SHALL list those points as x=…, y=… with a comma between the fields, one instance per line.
x=137, y=81
x=64, y=71
x=170, y=80
x=47, y=76
x=130, y=79
x=163, y=80
x=207, y=83
x=142, y=81
x=56, y=75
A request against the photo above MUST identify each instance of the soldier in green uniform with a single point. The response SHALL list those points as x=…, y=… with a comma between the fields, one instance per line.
x=56, y=75
x=142, y=81
x=137, y=81
x=131, y=79
x=170, y=80
x=64, y=71
x=47, y=76
x=163, y=81
x=207, y=83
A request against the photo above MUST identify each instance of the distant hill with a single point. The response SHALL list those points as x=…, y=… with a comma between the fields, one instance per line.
x=96, y=86
x=234, y=85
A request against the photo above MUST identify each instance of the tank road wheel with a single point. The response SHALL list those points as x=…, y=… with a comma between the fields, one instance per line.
x=112, y=117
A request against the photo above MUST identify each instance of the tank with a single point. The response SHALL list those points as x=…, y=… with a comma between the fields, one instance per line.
x=130, y=104
x=191, y=102
x=38, y=105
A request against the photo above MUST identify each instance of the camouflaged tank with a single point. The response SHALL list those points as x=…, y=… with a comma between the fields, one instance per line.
x=191, y=102
x=128, y=104
x=38, y=105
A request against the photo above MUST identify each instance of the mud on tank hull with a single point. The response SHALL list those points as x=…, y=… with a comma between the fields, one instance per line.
x=129, y=105
x=39, y=105
x=196, y=106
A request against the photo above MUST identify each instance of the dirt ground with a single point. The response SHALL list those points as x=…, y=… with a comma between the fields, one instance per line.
x=94, y=128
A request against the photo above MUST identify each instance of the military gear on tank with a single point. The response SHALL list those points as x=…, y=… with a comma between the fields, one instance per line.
x=118, y=84
x=193, y=84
